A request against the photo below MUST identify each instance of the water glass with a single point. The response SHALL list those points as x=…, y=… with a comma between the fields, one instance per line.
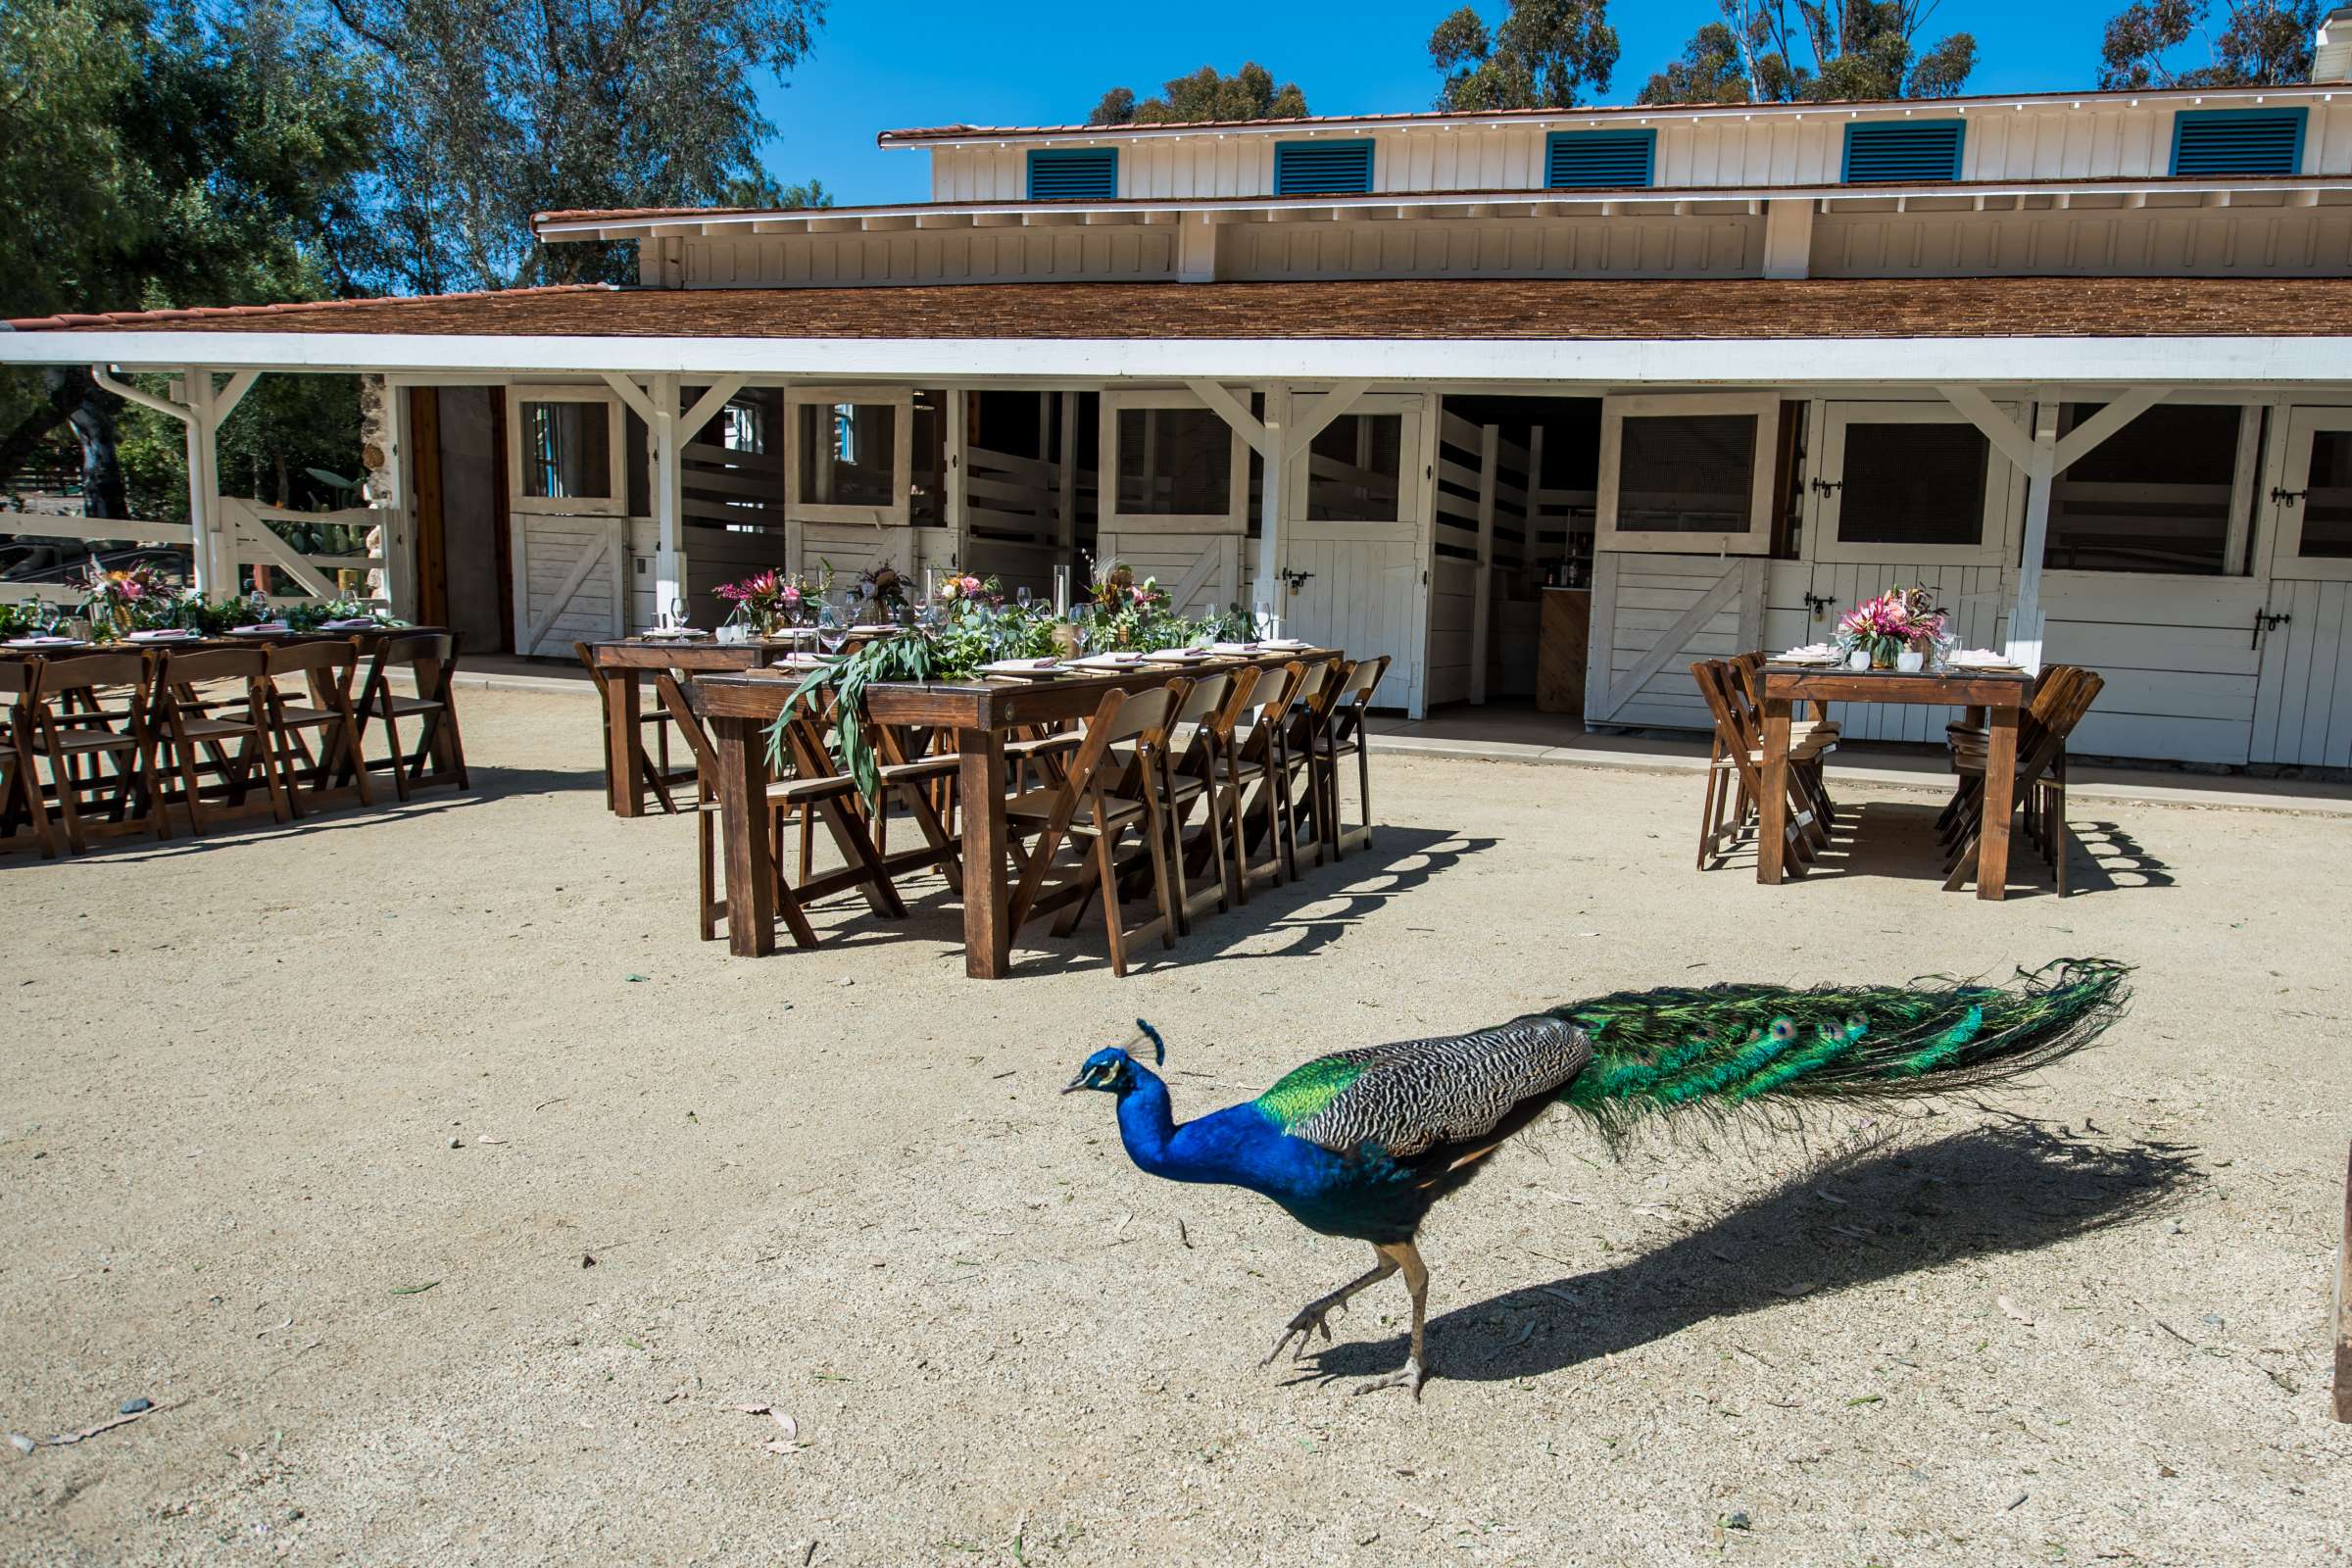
x=831, y=634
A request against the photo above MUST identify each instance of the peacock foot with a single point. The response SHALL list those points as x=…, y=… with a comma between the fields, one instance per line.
x=1411, y=1376
x=1312, y=1316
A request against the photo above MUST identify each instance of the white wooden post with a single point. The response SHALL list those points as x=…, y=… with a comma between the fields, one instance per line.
x=1490, y=466
x=2024, y=615
x=668, y=489
x=1271, y=596
x=215, y=547
x=393, y=539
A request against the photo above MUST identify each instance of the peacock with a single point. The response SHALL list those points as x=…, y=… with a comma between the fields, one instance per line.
x=1362, y=1142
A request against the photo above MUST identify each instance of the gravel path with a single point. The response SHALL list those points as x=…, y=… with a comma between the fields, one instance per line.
x=450, y=1201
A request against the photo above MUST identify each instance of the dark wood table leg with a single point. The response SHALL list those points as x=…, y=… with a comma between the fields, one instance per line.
x=743, y=830
x=986, y=935
x=625, y=764
x=1772, y=812
x=2000, y=798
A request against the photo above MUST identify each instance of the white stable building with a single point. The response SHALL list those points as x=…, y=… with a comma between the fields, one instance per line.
x=2080, y=363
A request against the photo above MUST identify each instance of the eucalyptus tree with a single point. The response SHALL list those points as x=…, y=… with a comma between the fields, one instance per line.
x=1248, y=93
x=2259, y=43
x=1545, y=54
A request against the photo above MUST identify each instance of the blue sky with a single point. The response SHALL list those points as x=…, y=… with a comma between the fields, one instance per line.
x=1047, y=61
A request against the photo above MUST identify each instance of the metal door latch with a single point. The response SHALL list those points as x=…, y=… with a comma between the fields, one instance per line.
x=1828, y=487
x=1297, y=579
x=2264, y=621
x=2282, y=496
x=1819, y=605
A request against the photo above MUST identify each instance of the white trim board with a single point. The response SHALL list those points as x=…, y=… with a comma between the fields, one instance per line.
x=1913, y=362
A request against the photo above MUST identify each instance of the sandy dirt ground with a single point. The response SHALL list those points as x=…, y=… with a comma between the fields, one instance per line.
x=448, y=1197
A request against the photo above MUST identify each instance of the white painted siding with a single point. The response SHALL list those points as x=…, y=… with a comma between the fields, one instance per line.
x=1638, y=600
x=2041, y=141
x=2094, y=237
x=2304, y=710
x=924, y=255
x=1595, y=247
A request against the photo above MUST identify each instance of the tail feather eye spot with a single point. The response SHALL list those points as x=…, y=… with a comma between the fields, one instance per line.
x=1784, y=1030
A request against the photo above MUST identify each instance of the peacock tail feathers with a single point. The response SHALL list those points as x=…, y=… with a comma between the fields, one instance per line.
x=1720, y=1049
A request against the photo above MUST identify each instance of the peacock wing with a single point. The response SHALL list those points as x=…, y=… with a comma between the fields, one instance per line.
x=1417, y=1094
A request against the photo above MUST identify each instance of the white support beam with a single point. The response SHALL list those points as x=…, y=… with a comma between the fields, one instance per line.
x=1271, y=595
x=717, y=396
x=1065, y=501
x=666, y=444
x=224, y=403
x=2001, y=430
x=1236, y=413
x=1329, y=407
x=2104, y=423
x=953, y=497
x=131, y=394
x=2024, y=615
x=215, y=554
x=631, y=394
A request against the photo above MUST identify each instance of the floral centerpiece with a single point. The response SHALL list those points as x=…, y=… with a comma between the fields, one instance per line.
x=770, y=599
x=883, y=590
x=1891, y=631
x=119, y=601
x=1121, y=613
x=955, y=593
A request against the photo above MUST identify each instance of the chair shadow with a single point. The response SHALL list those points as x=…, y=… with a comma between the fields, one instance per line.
x=1397, y=861
x=1898, y=841
x=488, y=785
x=2012, y=1187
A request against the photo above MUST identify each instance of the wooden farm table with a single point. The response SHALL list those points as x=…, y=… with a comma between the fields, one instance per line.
x=2000, y=698
x=626, y=664
x=741, y=705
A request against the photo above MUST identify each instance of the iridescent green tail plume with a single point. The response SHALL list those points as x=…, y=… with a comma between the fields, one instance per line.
x=1721, y=1048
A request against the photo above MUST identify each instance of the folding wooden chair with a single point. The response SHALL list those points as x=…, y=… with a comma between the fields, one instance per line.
x=2064, y=694
x=656, y=770
x=209, y=698
x=782, y=798
x=89, y=714
x=1305, y=733
x=322, y=704
x=1814, y=727
x=1250, y=796
x=1735, y=774
x=431, y=660
x=1968, y=736
x=1101, y=795
x=1344, y=737
x=1189, y=774
x=20, y=788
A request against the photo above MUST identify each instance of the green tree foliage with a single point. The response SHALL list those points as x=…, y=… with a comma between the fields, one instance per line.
x=1545, y=54
x=162, y=153
x=2261, y=43
x=503, y=108
x=1790, y=50
x=1248, y=93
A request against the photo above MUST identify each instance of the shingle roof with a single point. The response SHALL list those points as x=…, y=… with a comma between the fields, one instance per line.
x=1427, y=309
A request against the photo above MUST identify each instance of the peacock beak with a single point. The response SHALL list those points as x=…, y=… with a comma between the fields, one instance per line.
x=1075, y=1084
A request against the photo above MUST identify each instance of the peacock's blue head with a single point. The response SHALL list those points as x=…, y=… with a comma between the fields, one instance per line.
x=1113, y=1068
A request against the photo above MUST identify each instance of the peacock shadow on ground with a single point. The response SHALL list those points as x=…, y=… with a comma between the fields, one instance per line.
x=2009, y=1188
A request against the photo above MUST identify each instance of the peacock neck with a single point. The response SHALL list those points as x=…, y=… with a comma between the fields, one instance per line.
x=1147, y=1122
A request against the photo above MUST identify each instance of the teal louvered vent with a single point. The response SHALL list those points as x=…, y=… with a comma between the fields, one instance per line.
x=1904, y=152
x=1586, y=160
x=2238, y=141
x=1322, y=168
x=1073, y=174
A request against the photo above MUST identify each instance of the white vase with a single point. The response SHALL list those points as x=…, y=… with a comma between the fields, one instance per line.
x=1859, y=658
x=1910, y=661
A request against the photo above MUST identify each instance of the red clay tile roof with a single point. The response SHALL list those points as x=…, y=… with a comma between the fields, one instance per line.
x=1427, y=309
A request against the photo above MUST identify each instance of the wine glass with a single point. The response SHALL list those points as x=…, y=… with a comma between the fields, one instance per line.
x=1021, y=596
x=43, y=623
x=677, y=613
x=831, y=634
x=258, y=602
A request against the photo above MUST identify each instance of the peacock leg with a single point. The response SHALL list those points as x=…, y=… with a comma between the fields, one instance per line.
x=1415, y=1371
x=1311, y=1316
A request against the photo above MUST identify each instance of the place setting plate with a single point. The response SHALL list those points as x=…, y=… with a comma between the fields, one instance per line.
x=1024, y=668
x=47, y=642
x=166, y=635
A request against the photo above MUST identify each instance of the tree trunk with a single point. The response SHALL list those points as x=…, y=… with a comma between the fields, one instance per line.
x=101, y=492
x=62, y=394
